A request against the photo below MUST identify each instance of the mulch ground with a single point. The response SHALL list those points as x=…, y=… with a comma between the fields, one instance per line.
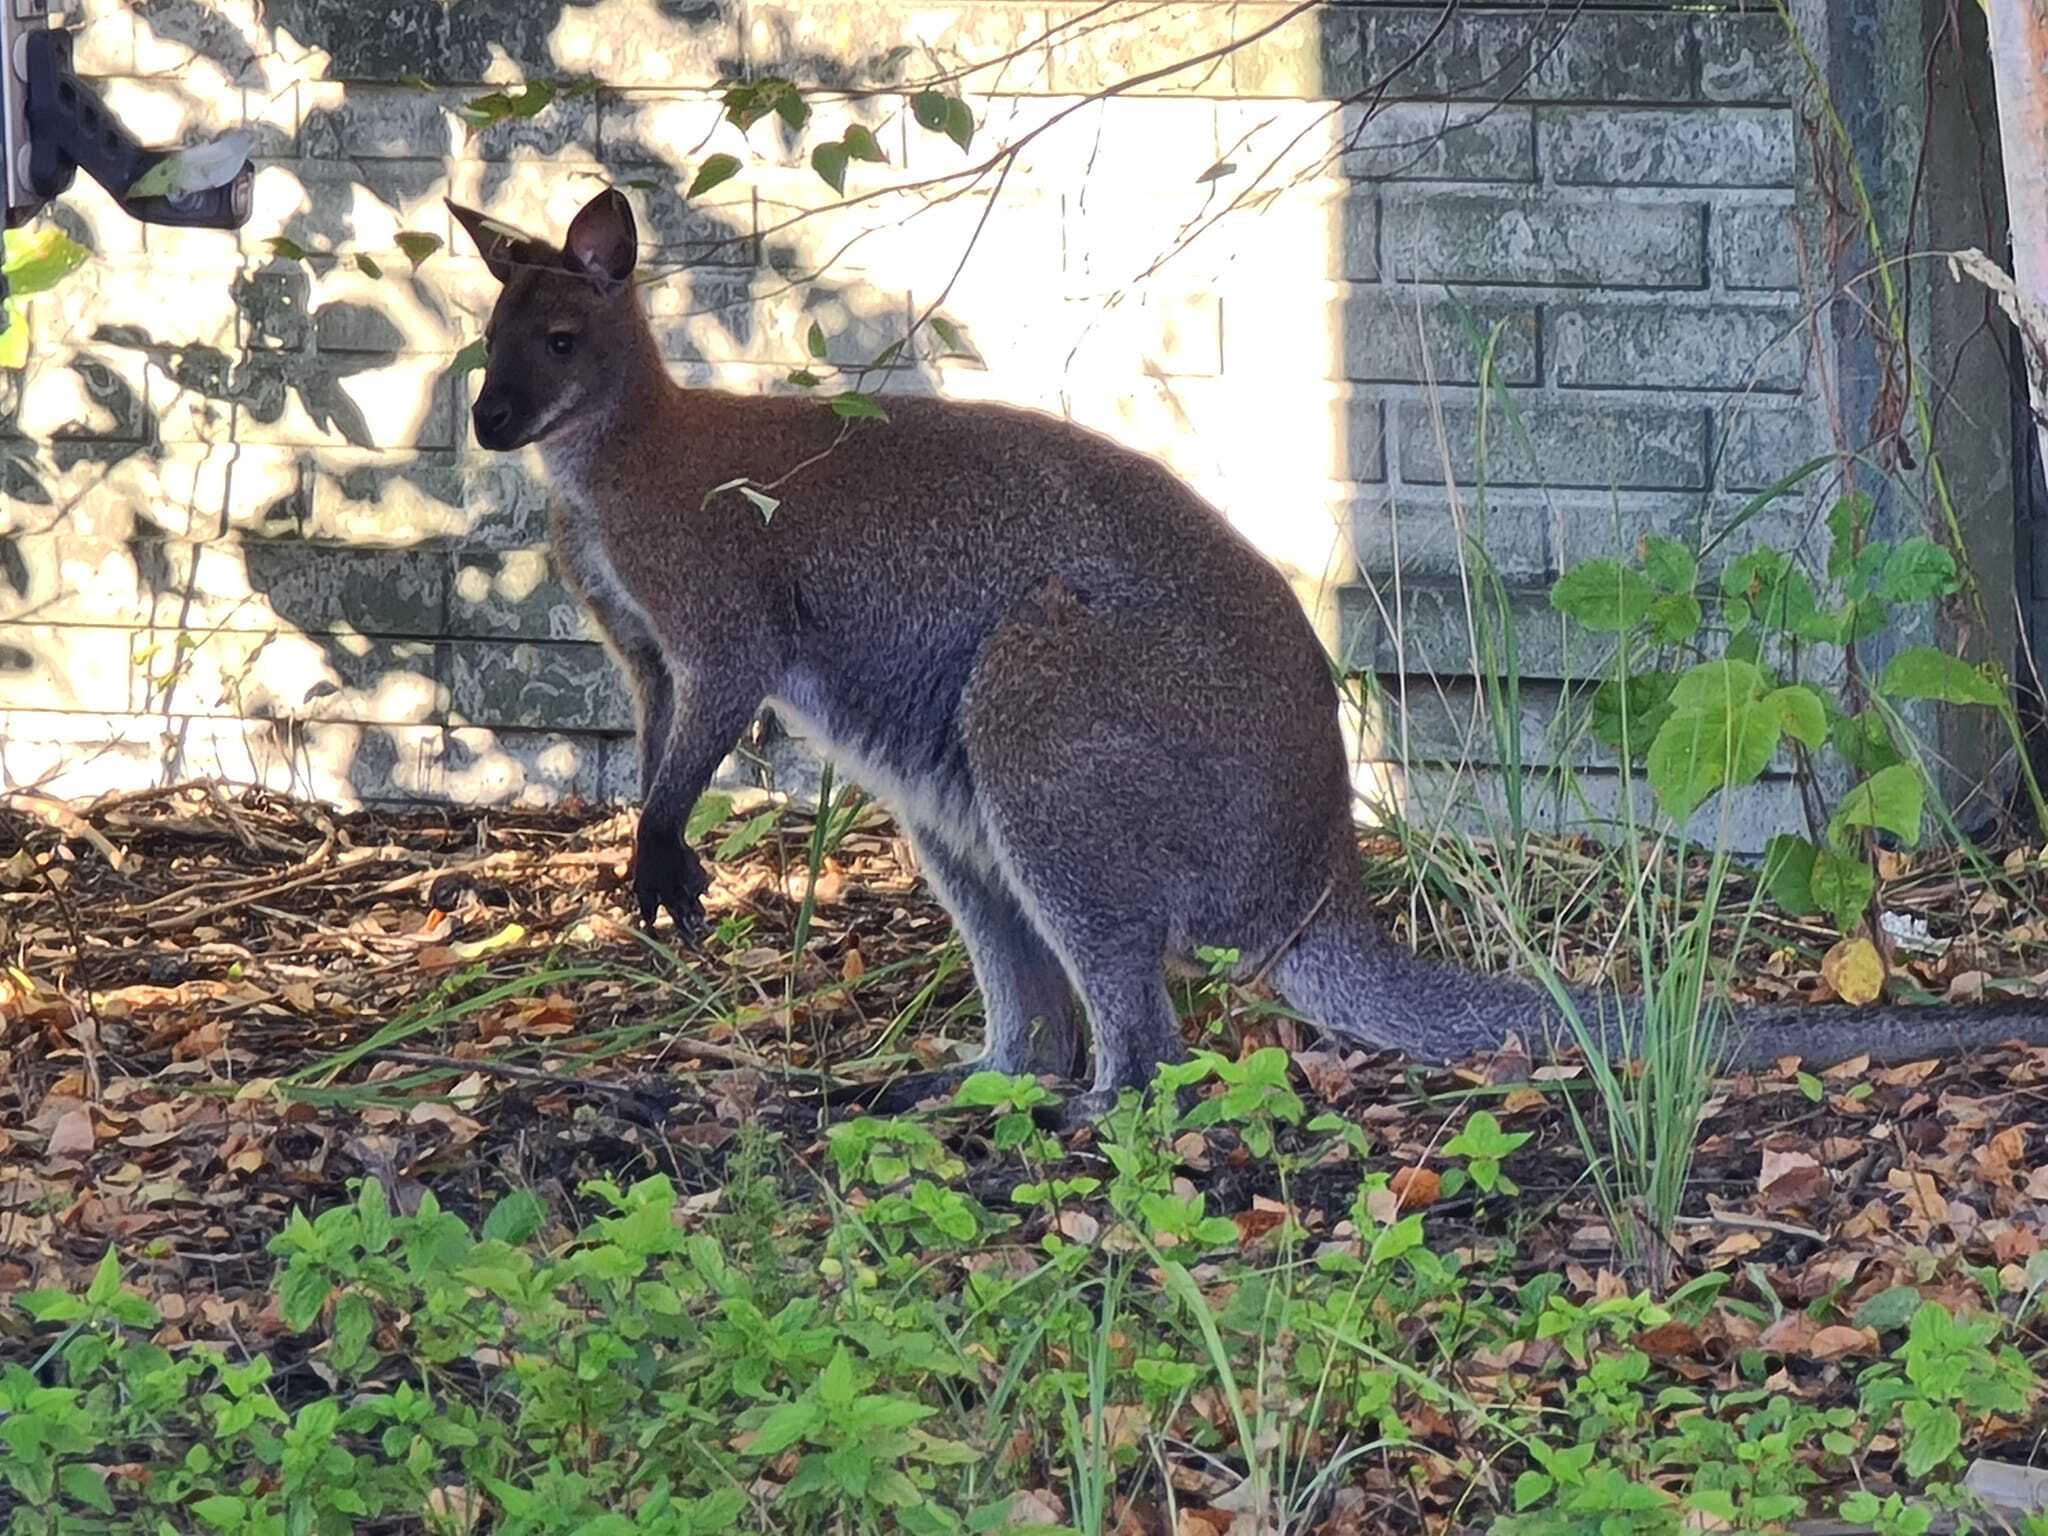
x=217, y=1005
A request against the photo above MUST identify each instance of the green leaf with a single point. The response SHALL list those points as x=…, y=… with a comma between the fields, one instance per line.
x=86, y=1485
x=886, y=64
x=1632, y=709
x=288, y=250
x=829, y=161
x=929, y=109
x=715, y=170
x=1789, y=604
x=39, y=260
x=765, y=504
x=197, y=169
x=417, y=245
x=106, y=1280
x=368, y=266
x=373, y=1213
x=1860, y=579
x=494, y=107
x=354, y=1323
x=1890, y=1309
x=13, y=336
x=528, y=103
x=707, y=813
x=1890, y=799
x=1669, y=564
x=959, y=123
x=1675, y=618
x=1719, y=685
x=852, y=405
x=131, y=1311
x=791, y=107
x=1917, y=570
x=1603, y=595
x=1802, y=713
x=518, y=1215
x=814, y=340
x=1531, y=1488
x=1788, y=872
x=1934, y=1433
x=470, y=358
x=52, y=1306
x=836, y=1385
x=1216, y=172
x=1923, y=672
x=301, y=1296
x=1865, y=741
x=951, y=339
x=1842, y=887
x=748, y=834
x=1697, y=751
x=860, y=143
x=1847, y=519
x=802, y=378
x=785, y=1426
x=222, y=1511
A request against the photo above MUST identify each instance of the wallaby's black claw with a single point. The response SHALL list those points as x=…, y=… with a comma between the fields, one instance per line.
x=667, y=874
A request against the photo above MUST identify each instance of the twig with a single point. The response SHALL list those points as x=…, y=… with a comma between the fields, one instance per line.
x=1273, y=959
x=1752, y=1224
x=60, y=817
x=234, y=816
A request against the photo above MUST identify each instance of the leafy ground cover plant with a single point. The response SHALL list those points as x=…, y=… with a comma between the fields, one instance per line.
x=1052, y=1349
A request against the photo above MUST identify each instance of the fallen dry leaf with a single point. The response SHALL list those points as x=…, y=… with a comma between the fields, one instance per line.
x=72, y=1135
x=1837, y=1340
x=1417, y=1188
x=1855, y=969
x=1790, y=1178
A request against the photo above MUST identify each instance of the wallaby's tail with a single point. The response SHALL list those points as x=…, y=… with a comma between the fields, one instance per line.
x=1349, y=978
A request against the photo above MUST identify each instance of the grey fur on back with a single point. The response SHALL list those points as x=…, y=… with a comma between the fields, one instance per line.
x=1100, y=715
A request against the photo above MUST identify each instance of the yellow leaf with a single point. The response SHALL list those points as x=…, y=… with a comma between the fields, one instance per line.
x=1855, y=970
x=476, y=949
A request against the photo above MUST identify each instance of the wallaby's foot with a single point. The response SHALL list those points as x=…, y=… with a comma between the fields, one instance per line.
x=1078, y=1109
x=667, y=873
x=1089, y=1106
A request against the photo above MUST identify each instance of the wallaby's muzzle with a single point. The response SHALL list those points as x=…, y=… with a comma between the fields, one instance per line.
x=499, y=425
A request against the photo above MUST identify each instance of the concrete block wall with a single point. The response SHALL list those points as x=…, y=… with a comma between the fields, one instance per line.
x=245, y=532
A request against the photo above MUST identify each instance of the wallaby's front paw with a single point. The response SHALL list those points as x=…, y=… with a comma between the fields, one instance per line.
x=668, y=873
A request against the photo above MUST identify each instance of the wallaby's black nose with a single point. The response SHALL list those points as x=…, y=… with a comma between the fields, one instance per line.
x=493, y=423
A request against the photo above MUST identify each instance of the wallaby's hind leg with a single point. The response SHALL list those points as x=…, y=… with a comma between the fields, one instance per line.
x=1032, y=1023
x=1032, y=1020
x=1144, y=783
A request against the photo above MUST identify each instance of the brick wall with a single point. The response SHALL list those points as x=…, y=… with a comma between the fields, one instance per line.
x=245, y=533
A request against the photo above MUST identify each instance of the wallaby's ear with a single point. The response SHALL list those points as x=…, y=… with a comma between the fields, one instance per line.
x=501, y=246
x=602, y=243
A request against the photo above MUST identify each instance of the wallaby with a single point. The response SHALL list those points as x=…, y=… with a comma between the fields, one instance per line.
x=1101, y=716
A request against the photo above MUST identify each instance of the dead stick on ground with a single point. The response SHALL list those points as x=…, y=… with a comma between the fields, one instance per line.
x=1752, y=1224
x=730, y=1055
x=234, y=817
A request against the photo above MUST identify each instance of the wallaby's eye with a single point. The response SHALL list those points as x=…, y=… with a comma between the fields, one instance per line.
x=561, y=343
